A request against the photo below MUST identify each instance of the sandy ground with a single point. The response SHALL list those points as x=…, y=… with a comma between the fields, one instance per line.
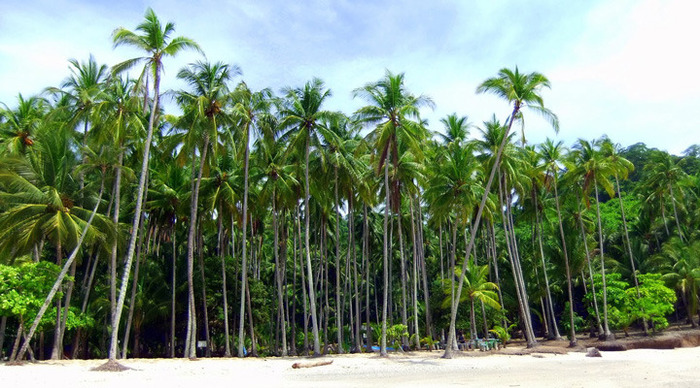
x=632, y=368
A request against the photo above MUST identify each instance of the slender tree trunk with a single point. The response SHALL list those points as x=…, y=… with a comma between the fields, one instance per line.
x=365, y=261
x=607, y=335
x=132, y=303
x=137, y=218
x=382, y=347
x=279, y=274
x=312, y=292
x=555, y=330
x=351, y=229
x=303, y=289
x=402, y=259
x=416, y=257
x=338, y=306
x=675, y=212
x=174, y=286
x=191, y=339
x=113, y=256
x=426, y=286
x=205, y=311
x=244, y=239
x=590, y=268
x=572, y=334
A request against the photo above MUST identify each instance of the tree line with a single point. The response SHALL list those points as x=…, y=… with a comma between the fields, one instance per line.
x=257, y=223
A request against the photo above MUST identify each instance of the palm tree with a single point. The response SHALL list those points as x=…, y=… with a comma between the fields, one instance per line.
x=302, y=118
x=204, y=107
x=478, y=288
x=662, y=175
x=396, y=114
x=523, y=91
x=551, y=155
x=595, y=169
x=280, y=184
x=250, y=108
x=682, y=264
x=622, y=167
x=21, y=124
x=456, y=129
x=154, y=39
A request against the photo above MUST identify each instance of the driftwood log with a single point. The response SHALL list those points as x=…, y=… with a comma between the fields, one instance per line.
x=298, y=365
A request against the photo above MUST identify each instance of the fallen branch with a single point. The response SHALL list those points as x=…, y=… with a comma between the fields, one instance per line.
x=298, y=365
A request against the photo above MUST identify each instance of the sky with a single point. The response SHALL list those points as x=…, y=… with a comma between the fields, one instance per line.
x=618, y=68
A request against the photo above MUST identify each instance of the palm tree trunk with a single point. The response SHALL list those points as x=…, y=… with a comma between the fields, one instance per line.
x=173, y=279
x=416, y=257
x=279, y=274
x=402, y=259
x=191, y=338
x=382, y=347
x=590, y=268
x=113, y=256
x=312, y=293
x=351, y=229
x=338, y=306
x=205, y=311
x=134, y=287
x=555, y=332
x=426, y=286
x=137, y=217
x=572, y=335
x=607, y=335
x=224, y=288
x=365, y=262
x=244, y=239
x=675, y=212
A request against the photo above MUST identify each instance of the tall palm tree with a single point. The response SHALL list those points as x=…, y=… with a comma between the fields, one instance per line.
x=250, y=108
x=523, y=91
x=205, y=103
x=154, y=39
x=395, y=112
x=302, y=118
x=594, y=169
x=551, y=154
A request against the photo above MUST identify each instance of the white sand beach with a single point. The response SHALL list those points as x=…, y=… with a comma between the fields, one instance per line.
x=632, y=368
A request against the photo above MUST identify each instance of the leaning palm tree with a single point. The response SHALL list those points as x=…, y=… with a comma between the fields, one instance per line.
x=396, y=114
x=523, y=91
x=154, y=39
x=302, y=118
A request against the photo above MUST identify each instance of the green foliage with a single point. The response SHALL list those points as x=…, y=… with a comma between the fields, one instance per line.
x=579, y=322
x=618, y=300
x=655, y=302
x=24, y=288
x=503, y=333
x=395, y=333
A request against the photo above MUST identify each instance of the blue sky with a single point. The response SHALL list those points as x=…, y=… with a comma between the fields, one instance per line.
x=622, y=68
